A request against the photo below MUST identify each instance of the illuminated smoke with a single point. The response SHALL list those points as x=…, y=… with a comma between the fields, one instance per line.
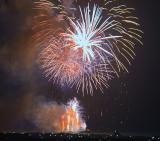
x=53, y=117
x=71, y=120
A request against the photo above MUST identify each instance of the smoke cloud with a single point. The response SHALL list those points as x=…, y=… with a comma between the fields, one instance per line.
x=54, y=117
x=46, y=116
x=22, y=108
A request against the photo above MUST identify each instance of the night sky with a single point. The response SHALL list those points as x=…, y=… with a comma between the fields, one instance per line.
x=131, y=104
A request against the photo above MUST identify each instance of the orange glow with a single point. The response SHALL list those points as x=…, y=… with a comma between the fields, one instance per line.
x=70, y=120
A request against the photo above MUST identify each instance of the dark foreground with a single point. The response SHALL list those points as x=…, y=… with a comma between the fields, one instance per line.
x=72, y=137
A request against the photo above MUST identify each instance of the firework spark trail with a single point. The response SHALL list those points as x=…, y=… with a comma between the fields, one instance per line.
x=91, y=48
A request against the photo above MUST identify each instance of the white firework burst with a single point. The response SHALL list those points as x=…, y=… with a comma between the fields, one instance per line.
x=89, y=35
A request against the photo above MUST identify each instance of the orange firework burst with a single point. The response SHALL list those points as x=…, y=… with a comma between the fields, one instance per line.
x=59, y=63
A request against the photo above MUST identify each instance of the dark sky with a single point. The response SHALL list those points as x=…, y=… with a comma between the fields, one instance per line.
x=131, y=104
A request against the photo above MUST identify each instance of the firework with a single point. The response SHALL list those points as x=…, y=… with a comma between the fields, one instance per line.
x=53, y=117
x=59, y=63
x=89, y=35
x=65, y=66
x=71, y=120
x=90, y=48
